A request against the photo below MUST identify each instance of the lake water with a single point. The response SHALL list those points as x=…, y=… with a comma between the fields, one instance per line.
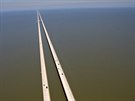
x=96, y=47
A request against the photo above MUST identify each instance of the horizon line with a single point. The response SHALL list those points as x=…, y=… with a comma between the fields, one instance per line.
x=57, y=8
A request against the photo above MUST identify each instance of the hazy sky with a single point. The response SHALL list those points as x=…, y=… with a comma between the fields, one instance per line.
x=39, y=4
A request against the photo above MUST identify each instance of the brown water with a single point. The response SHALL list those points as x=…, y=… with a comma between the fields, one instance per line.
x=96, y=48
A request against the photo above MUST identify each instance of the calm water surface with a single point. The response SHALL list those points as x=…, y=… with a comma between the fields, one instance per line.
x=96, y=48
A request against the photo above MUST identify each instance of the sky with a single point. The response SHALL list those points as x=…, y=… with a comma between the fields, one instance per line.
x=42, y=4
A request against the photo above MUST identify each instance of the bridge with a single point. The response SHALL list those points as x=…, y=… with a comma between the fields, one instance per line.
x=66, y=88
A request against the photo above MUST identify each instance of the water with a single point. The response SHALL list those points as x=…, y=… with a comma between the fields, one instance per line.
x=96, y=48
